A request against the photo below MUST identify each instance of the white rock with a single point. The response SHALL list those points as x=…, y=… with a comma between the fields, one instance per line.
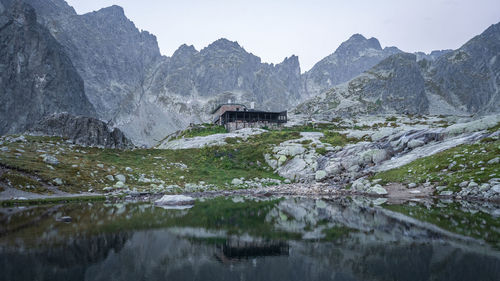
x=320, y=175
x=236, y=181
x=379, y=155
x=442, y=187
x=415, y=143
x=175, y=200
x=128, y=169
x=472, y=184
x=412, y=185
x=495, y=160
x=446, y=193
x=121, y=178
x=49, y=159
x=110, y=178
x=58, y=181
x=495, y=189
x=119, y=184
x=100, y=166
x=464, y=184
x=282, y=159
x=377, y=189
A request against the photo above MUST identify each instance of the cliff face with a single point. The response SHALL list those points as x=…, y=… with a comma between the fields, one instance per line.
x=464, y=81
x=351, y=58
x=469, y=78
x=37, y=78
x=395, y=85
x=86, y=131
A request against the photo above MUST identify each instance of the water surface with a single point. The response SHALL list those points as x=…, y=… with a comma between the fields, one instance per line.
x=251, y=239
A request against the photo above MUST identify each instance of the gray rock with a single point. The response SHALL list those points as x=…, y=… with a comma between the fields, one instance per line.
x=236, y=181
x=495, y=160
x=110, y=178
x=377, y=189
x=446, y=193
x=464, y=184
x=37, y=77
x=415, y=143
x=121, y=178
x=49, y=159
x=353, y=56
x=320, y=175
x=173, y=200
x=412, y=185
x=119, y=184
x=58, y=181
x=82, y=130
x=128, y=169
x=472, y=184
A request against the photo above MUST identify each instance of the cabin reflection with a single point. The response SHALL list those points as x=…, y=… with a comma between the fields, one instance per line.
x=235, y=250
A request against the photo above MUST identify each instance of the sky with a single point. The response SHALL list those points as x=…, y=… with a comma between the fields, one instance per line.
x=310, y=29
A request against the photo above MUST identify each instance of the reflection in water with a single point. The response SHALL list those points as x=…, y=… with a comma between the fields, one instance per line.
x=218, y=239
x=236, y=250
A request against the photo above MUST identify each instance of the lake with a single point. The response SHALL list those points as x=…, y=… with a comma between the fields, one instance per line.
x=248, y=238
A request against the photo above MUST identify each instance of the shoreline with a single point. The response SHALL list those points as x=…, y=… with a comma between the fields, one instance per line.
x=397, y=194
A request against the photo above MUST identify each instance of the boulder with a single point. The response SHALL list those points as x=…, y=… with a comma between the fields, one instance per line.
x=377, y=190
x=49, y=159
x=320, y=175
x=175, y=200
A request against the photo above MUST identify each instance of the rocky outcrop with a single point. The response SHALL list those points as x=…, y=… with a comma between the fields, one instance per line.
x=460, y=82
x=395, y=85
x=149, y=96
x=37, y=78
x=352, y=58
x=469, y=78
x=82, y=130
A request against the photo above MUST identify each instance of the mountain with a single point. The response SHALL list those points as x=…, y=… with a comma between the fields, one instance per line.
x=148, y=95
x=469, y=78
x=460, y=82
x=432, y=56
x=350, y=59
x=395, y=85
x=37, y=77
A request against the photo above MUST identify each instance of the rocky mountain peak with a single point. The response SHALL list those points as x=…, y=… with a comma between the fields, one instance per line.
x=185, y=51
x=22, y=14
x=356, y=43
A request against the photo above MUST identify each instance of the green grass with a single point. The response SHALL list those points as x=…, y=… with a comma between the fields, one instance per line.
x=22, y=182
x=214, y=165
x=471, y=164
x=479, y=225
x=203, y=130
x=216, y=214
x=49, y=201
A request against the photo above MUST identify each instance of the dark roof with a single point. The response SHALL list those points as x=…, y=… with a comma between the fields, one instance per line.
x=221, y=105
x=256, y=111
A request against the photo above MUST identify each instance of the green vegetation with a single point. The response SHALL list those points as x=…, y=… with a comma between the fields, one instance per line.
x=22, y=182
x=83, y=168
x=452, y=217
x=391, y=119
x=337, y=233
x=449, y=168
x=55, y=200
x=248, y=217
x=203, y=130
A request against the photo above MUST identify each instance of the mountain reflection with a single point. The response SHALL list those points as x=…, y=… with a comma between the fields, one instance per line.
x=222, y=239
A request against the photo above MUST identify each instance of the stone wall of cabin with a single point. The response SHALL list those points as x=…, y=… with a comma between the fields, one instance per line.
x=233, y=126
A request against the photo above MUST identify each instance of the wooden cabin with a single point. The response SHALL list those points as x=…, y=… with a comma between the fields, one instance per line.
x=238, y=116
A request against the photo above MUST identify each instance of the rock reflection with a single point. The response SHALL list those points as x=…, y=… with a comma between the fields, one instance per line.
x=218, y=239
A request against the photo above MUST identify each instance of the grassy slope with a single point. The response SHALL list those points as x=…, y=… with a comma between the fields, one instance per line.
x=470, y=164
x=213, y=165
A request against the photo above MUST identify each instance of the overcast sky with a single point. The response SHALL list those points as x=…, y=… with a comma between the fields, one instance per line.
x=310, y=29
